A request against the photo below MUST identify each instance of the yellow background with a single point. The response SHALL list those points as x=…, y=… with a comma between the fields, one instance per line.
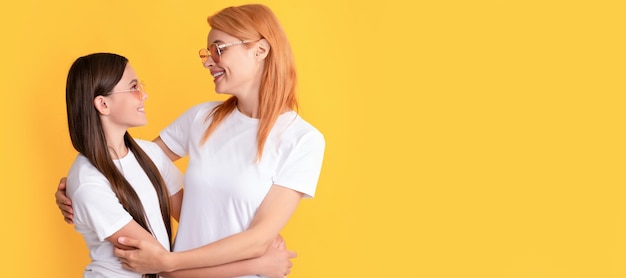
x=464, y=138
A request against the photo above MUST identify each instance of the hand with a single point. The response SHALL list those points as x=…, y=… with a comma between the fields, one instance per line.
x=142, y=256
x=64, y=203
x=275, y=263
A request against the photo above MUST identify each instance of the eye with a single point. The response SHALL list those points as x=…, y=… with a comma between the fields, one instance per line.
x=135, y=87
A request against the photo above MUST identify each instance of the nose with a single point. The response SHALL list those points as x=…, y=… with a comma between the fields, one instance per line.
x=209, y=62
x=144, y=95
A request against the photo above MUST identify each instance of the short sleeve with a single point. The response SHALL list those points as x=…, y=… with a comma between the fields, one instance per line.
x=301, y=169
x=172, y=176
x=177, y=136
x=96, y=206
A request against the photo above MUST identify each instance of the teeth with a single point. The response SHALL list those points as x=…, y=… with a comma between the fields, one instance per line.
x=141, y=109
x=218, y=74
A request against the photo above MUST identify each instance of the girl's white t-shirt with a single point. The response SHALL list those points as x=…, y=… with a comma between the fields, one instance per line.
x=98, y=213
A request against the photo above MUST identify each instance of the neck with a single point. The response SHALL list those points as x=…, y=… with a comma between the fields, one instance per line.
x=114, y=136
x=248, y=98
x=118, y=151
x=252, y=113
x=115, y=143
x=248, y=106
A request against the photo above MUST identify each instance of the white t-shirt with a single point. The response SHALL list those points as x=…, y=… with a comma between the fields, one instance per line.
x=224, y=186
x=98, y=213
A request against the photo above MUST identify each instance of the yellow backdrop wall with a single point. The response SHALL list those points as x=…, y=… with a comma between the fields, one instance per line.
x=464, y=138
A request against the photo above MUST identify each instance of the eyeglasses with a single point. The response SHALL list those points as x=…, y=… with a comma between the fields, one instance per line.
x=139, y=91
x=215, y=50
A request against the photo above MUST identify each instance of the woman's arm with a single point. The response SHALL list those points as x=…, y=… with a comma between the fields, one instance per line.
x=274, y=212
x=274, y=263
x=63, y=202
x=173, y=157
x=176, y=201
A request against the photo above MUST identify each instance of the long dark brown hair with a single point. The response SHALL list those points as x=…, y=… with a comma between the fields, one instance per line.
x=96, y=75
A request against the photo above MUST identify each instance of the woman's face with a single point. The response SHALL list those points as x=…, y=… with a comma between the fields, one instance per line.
x=126, y=101
x=239, y=71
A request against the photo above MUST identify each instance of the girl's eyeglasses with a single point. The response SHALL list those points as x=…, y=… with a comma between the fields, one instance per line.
x=139, y=91
x=215, y=50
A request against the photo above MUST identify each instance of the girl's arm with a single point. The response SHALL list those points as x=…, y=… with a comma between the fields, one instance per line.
x=135, y=230
x=65, y=204
x=274, y=212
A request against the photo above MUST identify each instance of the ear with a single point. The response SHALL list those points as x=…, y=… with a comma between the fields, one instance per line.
x=262, y=49
x=100, y=103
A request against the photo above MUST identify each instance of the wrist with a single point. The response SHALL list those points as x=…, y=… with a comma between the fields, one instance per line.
x=257, y=266
x=169, y=262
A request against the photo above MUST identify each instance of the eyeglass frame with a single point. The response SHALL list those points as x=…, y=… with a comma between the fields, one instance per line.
x=218, y=50
x=140, y=92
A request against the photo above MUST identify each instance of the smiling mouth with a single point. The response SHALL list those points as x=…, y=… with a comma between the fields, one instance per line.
x=219, y=73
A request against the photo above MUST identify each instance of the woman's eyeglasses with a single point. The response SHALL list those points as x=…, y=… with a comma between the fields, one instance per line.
x=215, y=50
x=139, y=91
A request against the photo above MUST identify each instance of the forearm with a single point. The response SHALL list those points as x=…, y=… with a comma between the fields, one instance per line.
x=240, y=268
x=242, y=246
x=270, y=218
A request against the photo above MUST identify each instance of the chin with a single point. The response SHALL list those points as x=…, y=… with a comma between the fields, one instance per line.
x=221, y=92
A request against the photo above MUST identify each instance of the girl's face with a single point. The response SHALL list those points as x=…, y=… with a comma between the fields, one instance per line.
x=126, y=101
x=239, y=71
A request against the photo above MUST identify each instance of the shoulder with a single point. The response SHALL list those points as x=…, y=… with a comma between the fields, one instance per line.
x=146, y=145
x=303, y=128
x=151, y=149
x=295, y=128
x=82, y=169
x=82, y=174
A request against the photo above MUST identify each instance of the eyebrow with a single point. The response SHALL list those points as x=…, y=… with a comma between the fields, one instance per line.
x=134, y=80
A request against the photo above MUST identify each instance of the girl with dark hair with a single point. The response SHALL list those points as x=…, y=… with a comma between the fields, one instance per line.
x=119, y=186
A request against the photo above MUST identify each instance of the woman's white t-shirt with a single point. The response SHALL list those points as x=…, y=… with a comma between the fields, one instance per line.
x=224, y=185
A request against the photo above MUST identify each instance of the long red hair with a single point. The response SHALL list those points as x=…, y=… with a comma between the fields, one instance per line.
x=278, y=83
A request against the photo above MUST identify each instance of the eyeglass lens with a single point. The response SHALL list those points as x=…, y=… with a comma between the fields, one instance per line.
x=141, y=93
x=204, y=55
x=214, y=52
